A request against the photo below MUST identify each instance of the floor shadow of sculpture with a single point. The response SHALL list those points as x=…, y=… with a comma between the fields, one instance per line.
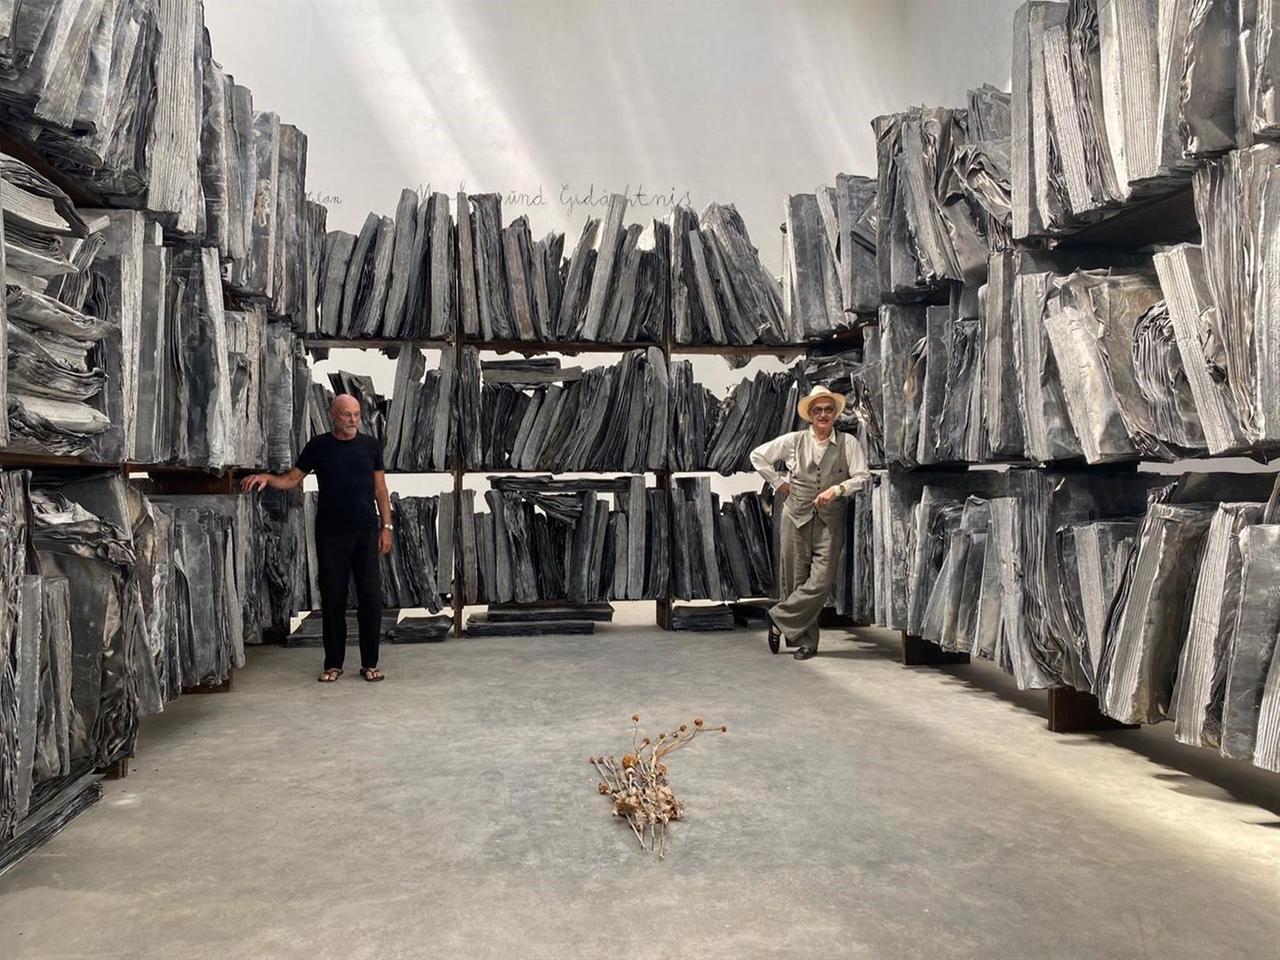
x=855, y=653
x=976, y=677
x=1201, y=772
x=1190, y=770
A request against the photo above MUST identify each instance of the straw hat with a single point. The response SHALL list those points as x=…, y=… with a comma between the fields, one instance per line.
x=818, y=393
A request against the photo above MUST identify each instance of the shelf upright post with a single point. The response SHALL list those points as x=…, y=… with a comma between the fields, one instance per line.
x=662, y=614
x=1076, y=711
x=456, y=597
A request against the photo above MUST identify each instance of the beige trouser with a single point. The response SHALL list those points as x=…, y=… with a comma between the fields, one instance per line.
x=808, y=570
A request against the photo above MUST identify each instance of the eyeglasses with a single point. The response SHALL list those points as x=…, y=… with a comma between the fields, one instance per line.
x=822, y=411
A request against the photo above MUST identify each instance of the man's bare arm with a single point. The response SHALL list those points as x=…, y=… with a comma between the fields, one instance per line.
x=384, y=499
x=380, y=494
x=276, y=481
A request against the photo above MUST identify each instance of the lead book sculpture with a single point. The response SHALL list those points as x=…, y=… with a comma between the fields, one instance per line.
x=989, y=299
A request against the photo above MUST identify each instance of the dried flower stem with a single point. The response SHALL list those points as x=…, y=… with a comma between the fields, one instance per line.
x=638, y=784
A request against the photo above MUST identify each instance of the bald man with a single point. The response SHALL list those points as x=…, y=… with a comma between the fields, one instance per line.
x=349, y=540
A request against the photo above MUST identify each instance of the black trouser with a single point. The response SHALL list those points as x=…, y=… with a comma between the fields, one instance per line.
x=340, y=558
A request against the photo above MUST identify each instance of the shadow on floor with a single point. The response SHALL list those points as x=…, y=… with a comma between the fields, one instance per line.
x=1194, y=771
x=845, y=653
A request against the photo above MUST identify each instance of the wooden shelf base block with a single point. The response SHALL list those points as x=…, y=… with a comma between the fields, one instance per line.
x=829, y=618
x=663, y=614
x=919, y=652
x=116, y=770
x=1073, y=711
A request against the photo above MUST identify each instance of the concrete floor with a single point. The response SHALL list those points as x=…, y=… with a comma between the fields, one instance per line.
x=856, y=808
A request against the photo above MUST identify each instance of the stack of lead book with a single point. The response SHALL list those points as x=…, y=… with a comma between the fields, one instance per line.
x=410, y=575
x=415, y=425
x=975, y=562
x=253, y=180
x=941, y=197
x=1114, y=100
x=541, y=416
x=415, y=574
x=119, y=348
x=613, y=288
x=1128, y=395
x=702, y=617
x=51, y=685
x=396, y=278
x=722, y=551
x=919, y=539
x=1204, y=663
x=127, y=102
x=854, y=593
x=284, y=540
x=709, y=433
x=422, y=414
x=54, y=391
x=215, y=387
x=562, y=539
x=932, y=383
x=1228, y=695
x=963, y=389
x=1222, y=693
x=1233, y=274
x=720, y=291
x=1143, y=588
x=95, y=124
x=829, y=277
x=126, y=99
x=214, y=600
x=429, y=271
x=943, y=221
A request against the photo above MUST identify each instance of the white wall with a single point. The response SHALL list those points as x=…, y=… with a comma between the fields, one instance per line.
x=955, y=45
x=729, y=101
x=740, y=101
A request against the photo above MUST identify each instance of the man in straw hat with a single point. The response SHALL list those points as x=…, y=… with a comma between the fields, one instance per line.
x=823, y=467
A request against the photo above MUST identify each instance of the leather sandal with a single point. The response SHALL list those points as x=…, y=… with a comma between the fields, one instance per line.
x=330, y=675
x=372, y=674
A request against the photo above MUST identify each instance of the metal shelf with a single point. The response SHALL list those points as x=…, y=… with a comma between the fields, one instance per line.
x=81, y=193
x=783, y=351
x=150, y=468
x=568, y=347
x=1167, y=219
x=19, y=461
x=372, y=343
x=557, y=474
x=677, y=474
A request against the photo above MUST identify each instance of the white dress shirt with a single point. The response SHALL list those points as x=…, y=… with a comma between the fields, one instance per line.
x=784, y=449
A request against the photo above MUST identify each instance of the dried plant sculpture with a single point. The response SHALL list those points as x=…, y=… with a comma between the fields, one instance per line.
x=638, y=783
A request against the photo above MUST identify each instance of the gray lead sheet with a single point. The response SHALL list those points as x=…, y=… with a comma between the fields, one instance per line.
x=1251, y=673
x=1202, y=667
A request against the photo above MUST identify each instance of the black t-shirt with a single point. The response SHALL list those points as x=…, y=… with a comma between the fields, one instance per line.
x=345, y=470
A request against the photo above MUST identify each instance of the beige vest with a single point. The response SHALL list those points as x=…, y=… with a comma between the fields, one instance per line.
x=809, y=478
